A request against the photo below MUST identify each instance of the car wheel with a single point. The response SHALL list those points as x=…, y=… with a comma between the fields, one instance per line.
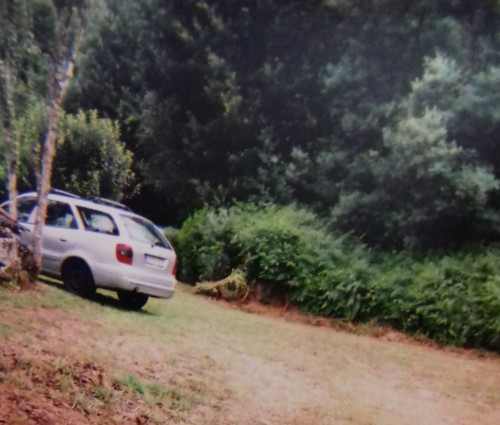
x=132, y=300
x=77, y=279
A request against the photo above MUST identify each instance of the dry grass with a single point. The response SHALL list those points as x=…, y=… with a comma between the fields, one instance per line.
x=233, y=287
x=188, y=360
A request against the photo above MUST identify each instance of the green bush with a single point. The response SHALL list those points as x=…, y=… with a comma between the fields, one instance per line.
x=453, y=299
x=340, y=290
x=93, y=160
x=203, y=246
x=279, y=246
x=274, y=242
x=266, y=241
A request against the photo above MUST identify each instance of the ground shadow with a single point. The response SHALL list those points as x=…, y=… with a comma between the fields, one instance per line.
x=102, y=297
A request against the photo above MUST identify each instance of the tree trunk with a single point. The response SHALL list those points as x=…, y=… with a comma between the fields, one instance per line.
x=48, y=150
x=62, y=64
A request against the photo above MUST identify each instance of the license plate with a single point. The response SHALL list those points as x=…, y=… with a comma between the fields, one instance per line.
x=155, y=261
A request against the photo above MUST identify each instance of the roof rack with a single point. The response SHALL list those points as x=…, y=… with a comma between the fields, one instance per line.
x=65, y=193
x=110, y=203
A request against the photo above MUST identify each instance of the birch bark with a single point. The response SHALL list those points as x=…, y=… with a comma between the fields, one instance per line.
x=62, y=71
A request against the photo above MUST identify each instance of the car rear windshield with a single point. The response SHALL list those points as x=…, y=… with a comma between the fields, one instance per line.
x=144, y=231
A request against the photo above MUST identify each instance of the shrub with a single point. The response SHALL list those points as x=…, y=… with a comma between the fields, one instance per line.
x=279, y=246
x=203, y=245
x=275, y=242
x=263, y=240
x=341, y=289
x=454, y=299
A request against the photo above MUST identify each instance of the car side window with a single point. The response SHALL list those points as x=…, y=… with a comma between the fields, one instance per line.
x=59, y=214
x=24, y=209
x=97, y=221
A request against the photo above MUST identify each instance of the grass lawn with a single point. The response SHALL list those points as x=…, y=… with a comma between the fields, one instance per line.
x=67, y=360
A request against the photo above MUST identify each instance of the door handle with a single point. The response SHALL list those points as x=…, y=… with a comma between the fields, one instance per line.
x=63, y=240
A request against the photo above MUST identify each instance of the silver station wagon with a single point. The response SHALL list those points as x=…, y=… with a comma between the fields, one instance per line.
x=100, y=243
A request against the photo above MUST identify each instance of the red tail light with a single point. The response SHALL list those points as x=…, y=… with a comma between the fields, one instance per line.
x=124, y=253
x=174, y=270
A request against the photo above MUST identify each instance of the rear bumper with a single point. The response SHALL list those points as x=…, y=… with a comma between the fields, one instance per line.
x=124, y=278
x=151, y=289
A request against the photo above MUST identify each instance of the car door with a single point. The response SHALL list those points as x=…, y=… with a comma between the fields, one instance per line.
x=59, y=235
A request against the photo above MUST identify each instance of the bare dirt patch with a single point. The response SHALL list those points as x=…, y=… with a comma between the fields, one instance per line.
x=40, y=388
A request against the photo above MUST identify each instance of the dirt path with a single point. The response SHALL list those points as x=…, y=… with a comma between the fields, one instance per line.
x=67, y=360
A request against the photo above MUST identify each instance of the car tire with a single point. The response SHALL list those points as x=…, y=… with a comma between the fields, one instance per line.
x=132, y=300
x=77, y=278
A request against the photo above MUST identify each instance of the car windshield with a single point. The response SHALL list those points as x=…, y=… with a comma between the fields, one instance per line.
x=143, y=231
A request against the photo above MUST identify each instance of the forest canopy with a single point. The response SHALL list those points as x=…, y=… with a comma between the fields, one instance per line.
x=380, y=116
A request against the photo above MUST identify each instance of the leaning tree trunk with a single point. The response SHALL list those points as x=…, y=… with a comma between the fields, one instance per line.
x=74, y=15
x=48, y=151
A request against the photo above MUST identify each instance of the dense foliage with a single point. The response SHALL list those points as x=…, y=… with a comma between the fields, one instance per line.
x=92, y=159
x=380, y=116
x=454, y=300
x=280, y=245
x=104, y=163
x=320, y=103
